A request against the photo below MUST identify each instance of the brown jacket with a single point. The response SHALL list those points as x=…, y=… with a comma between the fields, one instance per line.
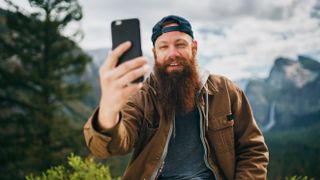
x=234, y=145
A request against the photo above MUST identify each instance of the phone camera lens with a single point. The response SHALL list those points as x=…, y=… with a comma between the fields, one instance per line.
x=118, y=23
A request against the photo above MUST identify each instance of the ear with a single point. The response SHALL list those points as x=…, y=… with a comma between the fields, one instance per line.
x=194, y=47
x=154, y=53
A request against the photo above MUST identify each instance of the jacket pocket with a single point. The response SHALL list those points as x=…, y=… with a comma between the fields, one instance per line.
x=220, y=134
x=147, y=133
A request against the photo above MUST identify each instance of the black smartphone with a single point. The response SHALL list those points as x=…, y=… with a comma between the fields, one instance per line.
x=127, y=30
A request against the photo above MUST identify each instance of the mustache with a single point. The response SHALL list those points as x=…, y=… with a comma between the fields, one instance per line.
x=178, y=60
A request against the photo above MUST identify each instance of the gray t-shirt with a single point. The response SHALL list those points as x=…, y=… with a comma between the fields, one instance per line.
x=185, y=157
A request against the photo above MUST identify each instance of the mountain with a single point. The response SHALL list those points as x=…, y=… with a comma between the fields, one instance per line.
x=92, y=75
x=289, y=97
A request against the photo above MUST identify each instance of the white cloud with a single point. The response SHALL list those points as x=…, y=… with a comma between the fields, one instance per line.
x=248, y=47
x=243, y=37
x=239, y=38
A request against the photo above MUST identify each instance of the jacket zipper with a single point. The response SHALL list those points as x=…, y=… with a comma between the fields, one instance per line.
x=164, y=154
x=204, y=144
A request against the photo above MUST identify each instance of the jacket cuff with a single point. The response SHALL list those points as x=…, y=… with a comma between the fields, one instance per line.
x=96, y=129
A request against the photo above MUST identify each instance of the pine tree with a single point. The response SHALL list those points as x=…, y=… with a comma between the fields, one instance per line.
x=39, y=70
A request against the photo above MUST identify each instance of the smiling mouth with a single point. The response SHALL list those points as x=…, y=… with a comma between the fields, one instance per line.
x=174, y=64
x=174, y=67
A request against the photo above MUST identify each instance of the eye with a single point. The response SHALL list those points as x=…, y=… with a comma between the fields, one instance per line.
x=163, y=47
x=181, y=45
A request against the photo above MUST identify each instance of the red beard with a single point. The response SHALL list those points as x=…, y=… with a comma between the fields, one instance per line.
x=177, y=89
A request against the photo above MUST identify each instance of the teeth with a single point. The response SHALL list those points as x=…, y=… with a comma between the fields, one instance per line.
x=173, y=64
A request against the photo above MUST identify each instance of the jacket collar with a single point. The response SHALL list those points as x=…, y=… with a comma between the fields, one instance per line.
x=206, y=83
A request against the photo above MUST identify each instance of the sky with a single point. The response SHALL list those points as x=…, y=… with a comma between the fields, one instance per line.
x=238, y=39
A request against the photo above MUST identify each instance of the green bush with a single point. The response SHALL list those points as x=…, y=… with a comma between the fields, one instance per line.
x=78, y=169
x=299, y=178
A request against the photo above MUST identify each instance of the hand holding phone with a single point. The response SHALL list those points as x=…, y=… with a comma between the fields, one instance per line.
x=116, y=78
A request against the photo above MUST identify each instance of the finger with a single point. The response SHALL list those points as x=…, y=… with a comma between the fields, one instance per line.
x=131, y=89
x=132, y=75
x=114, y=56
x=128, y=66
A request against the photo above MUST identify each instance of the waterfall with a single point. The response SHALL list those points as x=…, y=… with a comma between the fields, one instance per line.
x=272, y=118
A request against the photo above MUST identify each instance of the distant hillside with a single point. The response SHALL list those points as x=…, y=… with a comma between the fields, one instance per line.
x=92, y=75
x=289, y=97
x=294, y=152
x=286, y=105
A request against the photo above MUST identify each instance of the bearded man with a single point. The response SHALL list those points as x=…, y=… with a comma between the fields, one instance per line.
x=182, y=122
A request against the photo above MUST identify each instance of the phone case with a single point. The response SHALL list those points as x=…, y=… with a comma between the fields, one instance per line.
x=127, y=30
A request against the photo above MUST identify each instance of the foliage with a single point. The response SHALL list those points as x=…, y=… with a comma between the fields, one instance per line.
x=77, y=169
x=299, y=178
x=39, y=70
x=118, y=164
x=294, y=152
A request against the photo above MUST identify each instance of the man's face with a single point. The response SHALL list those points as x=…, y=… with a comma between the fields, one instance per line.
x=171, y=48
x=176, y=71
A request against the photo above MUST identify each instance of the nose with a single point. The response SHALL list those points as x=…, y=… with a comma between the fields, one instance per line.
x=173, y=52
